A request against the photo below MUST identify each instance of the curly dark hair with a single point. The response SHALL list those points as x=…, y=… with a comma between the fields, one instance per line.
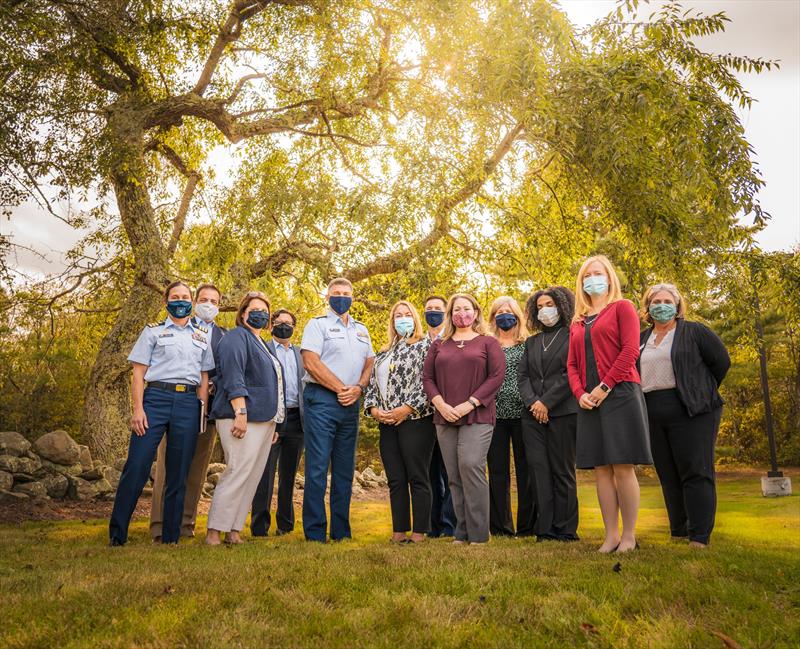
x=564, y=300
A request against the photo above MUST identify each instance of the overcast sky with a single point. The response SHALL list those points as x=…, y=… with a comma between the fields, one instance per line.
x=768, y=29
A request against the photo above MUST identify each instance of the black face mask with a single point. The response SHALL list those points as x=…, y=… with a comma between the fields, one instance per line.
x=283, y=331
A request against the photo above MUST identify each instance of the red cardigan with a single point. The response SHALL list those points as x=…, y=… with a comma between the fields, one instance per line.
x=615, y=342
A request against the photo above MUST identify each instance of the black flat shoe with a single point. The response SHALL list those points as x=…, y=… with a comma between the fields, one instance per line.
x=115, y=543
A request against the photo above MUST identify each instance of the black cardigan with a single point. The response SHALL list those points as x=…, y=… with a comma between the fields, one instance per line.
x=548, y=384
x=700, y=363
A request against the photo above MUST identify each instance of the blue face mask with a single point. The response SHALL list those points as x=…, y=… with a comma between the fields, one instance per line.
x=404, y=326
x=662, y=312
x=258, y=319
x=340, y=303
x=505, y=321
x=434, y=318
x=596, y=285
x=179, y=308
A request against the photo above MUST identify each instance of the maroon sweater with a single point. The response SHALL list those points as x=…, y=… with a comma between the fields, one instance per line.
x=456, y=374
x=615, y=343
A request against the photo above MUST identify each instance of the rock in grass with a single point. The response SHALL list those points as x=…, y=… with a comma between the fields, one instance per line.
x=85, y=457
x=119, y=464
x=49, y=468
x=213, y=478
x=19, y=465
x=56, y=485
x=6, y=481
x=12, y=497
x=80, y=489
x=36, y=490
x=13, y=444
x=58, y=447
x=215, y=467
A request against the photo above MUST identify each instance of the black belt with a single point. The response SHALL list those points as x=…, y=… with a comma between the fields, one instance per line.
x=172, y=387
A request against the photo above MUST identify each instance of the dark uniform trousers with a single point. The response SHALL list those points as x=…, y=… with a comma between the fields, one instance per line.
x=176, y=414
x=331, y=432
x=284, y=456
x=443, y=515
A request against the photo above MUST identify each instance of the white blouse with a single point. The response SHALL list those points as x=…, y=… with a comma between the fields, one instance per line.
x=656, y=363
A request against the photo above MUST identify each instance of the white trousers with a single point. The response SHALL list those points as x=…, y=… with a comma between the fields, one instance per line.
x=245, y=459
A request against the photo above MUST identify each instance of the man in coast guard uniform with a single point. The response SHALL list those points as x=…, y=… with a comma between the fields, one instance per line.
x=338, y=357
x=172, y=359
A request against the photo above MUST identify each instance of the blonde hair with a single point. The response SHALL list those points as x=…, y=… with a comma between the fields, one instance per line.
x=647, y=298
x=520, y=329
x=477, y=325
x=583, y=301
x=392, y=335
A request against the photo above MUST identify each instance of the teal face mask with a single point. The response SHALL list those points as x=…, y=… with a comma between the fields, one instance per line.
x=404, y=326
x=662, y=313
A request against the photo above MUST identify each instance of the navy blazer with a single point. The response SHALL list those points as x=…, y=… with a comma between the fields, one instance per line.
x=245, y=369
x=300, y=373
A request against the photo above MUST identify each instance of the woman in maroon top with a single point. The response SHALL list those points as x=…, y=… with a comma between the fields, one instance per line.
x=612, y=433
x=463, y=371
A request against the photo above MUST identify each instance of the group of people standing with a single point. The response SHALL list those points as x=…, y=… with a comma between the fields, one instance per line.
x=452, y=398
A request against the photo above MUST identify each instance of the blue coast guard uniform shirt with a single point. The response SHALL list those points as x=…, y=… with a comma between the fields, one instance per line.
x=344, y=348
x=174, y=354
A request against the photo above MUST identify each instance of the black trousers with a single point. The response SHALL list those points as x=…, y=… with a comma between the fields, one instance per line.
x=683, y=454
x=507, y=433
x=406, y=455
x=550, y=451
x=443, y=514
x=285, y=457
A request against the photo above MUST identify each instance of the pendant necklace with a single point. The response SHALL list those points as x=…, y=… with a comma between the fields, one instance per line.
x=552, y=340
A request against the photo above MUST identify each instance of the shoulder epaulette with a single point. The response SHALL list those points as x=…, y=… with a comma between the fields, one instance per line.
x=202, y=329
x=154, y=324
x=320, y=317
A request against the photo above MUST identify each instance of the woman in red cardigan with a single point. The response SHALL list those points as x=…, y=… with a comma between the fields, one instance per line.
x=612, y=433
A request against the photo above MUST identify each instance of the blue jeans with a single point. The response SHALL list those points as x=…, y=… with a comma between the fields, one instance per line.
x=176, y=414
x=331, y=433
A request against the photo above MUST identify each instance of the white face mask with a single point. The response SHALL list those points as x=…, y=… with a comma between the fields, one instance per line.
x=206, y=311
x=548, y=316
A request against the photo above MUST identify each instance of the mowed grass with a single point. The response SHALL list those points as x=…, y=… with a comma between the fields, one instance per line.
x=61, y=586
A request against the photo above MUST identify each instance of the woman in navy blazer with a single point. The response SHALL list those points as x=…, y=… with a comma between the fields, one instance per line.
x=249, y=403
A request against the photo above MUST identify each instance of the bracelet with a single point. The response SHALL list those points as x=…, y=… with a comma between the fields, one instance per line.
x=474, y=403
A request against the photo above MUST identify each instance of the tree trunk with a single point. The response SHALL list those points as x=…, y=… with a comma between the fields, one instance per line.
x=107, y=404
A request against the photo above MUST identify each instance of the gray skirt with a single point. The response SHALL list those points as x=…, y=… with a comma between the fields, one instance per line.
x=616, y=432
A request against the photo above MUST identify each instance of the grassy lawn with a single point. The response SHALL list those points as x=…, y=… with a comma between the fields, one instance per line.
x=61, y=586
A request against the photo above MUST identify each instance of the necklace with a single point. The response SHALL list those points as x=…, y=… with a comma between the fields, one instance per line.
x=460, y=344
x=552, y=340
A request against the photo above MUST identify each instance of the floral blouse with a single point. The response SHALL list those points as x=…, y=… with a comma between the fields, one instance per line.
x=509, y=401
x=404, y=386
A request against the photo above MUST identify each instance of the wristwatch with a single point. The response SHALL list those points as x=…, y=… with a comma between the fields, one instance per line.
x=474, y=402
x=241, y=411
x=604, y=387
x=362, y=388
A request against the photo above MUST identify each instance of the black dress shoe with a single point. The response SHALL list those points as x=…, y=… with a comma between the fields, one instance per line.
x=115, y=543
x=280, y=532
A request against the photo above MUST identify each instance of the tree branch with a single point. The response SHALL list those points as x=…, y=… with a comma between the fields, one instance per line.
x=400, y=259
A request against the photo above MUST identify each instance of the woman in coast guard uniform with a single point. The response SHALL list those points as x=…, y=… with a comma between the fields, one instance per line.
x=171, y=360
